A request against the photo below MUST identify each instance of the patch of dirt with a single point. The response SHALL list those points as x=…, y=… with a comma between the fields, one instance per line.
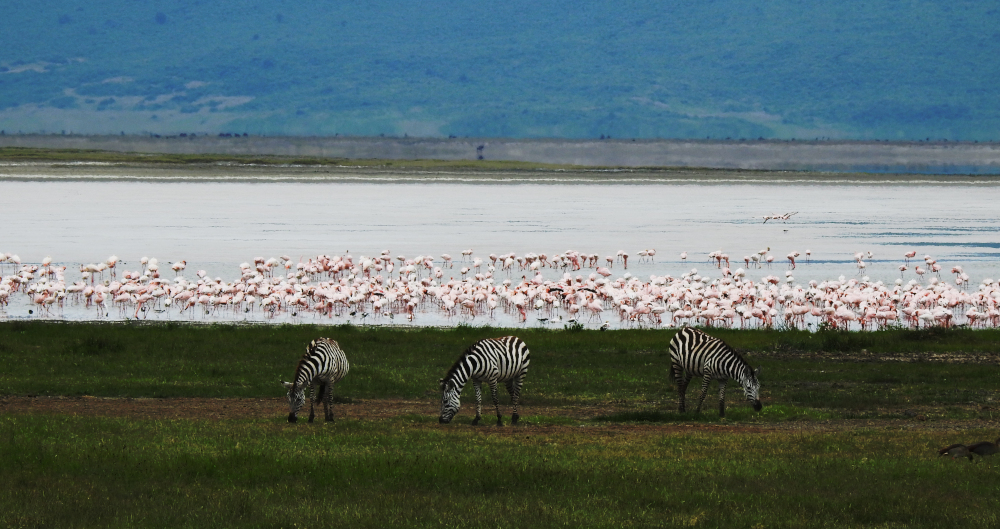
x=277, y=408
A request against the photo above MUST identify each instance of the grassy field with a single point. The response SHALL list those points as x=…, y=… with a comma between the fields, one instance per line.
x=102, y=472
x=803, y=374
x=637, y=464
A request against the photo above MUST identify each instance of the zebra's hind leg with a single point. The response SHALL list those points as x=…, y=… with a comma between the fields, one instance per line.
x=705, y=381
x=722, y=398
x=479, y=401
x=514, y=388
x=496, y=401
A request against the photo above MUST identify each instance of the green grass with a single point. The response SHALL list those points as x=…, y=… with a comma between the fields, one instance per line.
x=628, y=367
x=621, y=469
x=104, y=472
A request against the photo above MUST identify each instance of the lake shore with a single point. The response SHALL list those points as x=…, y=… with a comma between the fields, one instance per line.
x=923, y=158
x=92, y=168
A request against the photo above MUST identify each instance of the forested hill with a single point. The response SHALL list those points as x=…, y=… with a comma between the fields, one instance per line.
x=901, y=70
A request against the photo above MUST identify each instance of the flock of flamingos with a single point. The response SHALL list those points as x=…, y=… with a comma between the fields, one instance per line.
x=587, y=290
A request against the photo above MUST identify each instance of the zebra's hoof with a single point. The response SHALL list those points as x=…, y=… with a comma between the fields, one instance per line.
x=514, y=418
x=475, y=422
x=499, y=420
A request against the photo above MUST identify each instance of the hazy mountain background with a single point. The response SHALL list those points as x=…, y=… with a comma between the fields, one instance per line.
x=902, y=70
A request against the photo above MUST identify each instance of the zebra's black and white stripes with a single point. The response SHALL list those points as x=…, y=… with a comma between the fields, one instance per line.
x=694, y=353
x=323, y=365
x=492, y=360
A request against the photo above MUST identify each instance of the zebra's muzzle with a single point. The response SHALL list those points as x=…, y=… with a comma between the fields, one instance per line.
x=292, y=417
x=442, y=420
x=757, y=406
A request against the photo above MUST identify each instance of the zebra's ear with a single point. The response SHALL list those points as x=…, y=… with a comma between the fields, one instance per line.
x=756, y=373
x=288, y=385
x=441, y=384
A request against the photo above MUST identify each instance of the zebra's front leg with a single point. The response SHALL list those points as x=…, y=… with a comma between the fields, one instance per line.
x=722, y=398
x=312, y=402
x=328, y=403
x=514, y=388
x=705, y=381
x=478, y=384
x=682, y=385
x=496, y=401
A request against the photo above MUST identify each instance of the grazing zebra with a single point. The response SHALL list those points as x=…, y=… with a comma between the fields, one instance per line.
x=693, y=352
x=493, y=360
x=323, y=365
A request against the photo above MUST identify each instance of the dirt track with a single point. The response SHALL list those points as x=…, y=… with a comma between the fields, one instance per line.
x=244, y=408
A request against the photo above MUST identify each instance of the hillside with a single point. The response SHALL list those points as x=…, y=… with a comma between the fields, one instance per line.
x=903, y=70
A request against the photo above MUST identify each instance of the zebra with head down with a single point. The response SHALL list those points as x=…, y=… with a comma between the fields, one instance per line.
x=492, y=360
x=694, y=353
x=323, y=365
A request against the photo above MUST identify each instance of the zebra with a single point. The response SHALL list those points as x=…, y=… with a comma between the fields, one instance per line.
x=323, y=365
x=692, y=352
x=492, y=360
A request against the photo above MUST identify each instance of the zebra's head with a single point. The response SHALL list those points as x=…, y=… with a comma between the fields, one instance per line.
x=296, y=398
x=751, y=388
x=450, y=403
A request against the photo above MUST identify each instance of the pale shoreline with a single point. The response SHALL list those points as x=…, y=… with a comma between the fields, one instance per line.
x=41, y=171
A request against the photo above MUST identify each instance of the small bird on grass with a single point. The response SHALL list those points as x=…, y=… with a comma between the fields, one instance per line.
x=955, y=451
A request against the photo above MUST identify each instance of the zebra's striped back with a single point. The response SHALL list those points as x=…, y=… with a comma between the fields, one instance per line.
x=500, y=359
x=323, y=365
x=698, y=354
x=492, y=360
x=323, y=359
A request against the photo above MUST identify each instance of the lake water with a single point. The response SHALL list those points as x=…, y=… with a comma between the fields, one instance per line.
x=216, y=223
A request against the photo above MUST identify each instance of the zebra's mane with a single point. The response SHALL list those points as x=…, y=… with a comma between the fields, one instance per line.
x=742, y=360
x=454, y=367
x=302, y=361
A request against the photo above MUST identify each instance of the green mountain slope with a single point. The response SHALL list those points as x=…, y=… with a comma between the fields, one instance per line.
x=781, y=69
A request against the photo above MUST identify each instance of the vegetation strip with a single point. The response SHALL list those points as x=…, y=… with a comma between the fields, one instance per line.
x=157, y=472
x=627, y=368
x=837, y=444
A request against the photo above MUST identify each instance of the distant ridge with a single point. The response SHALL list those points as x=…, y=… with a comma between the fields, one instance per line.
x=832, y=156
x=902, y=70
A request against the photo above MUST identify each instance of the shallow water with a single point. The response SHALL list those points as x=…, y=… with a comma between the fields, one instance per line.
x=215, y=225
